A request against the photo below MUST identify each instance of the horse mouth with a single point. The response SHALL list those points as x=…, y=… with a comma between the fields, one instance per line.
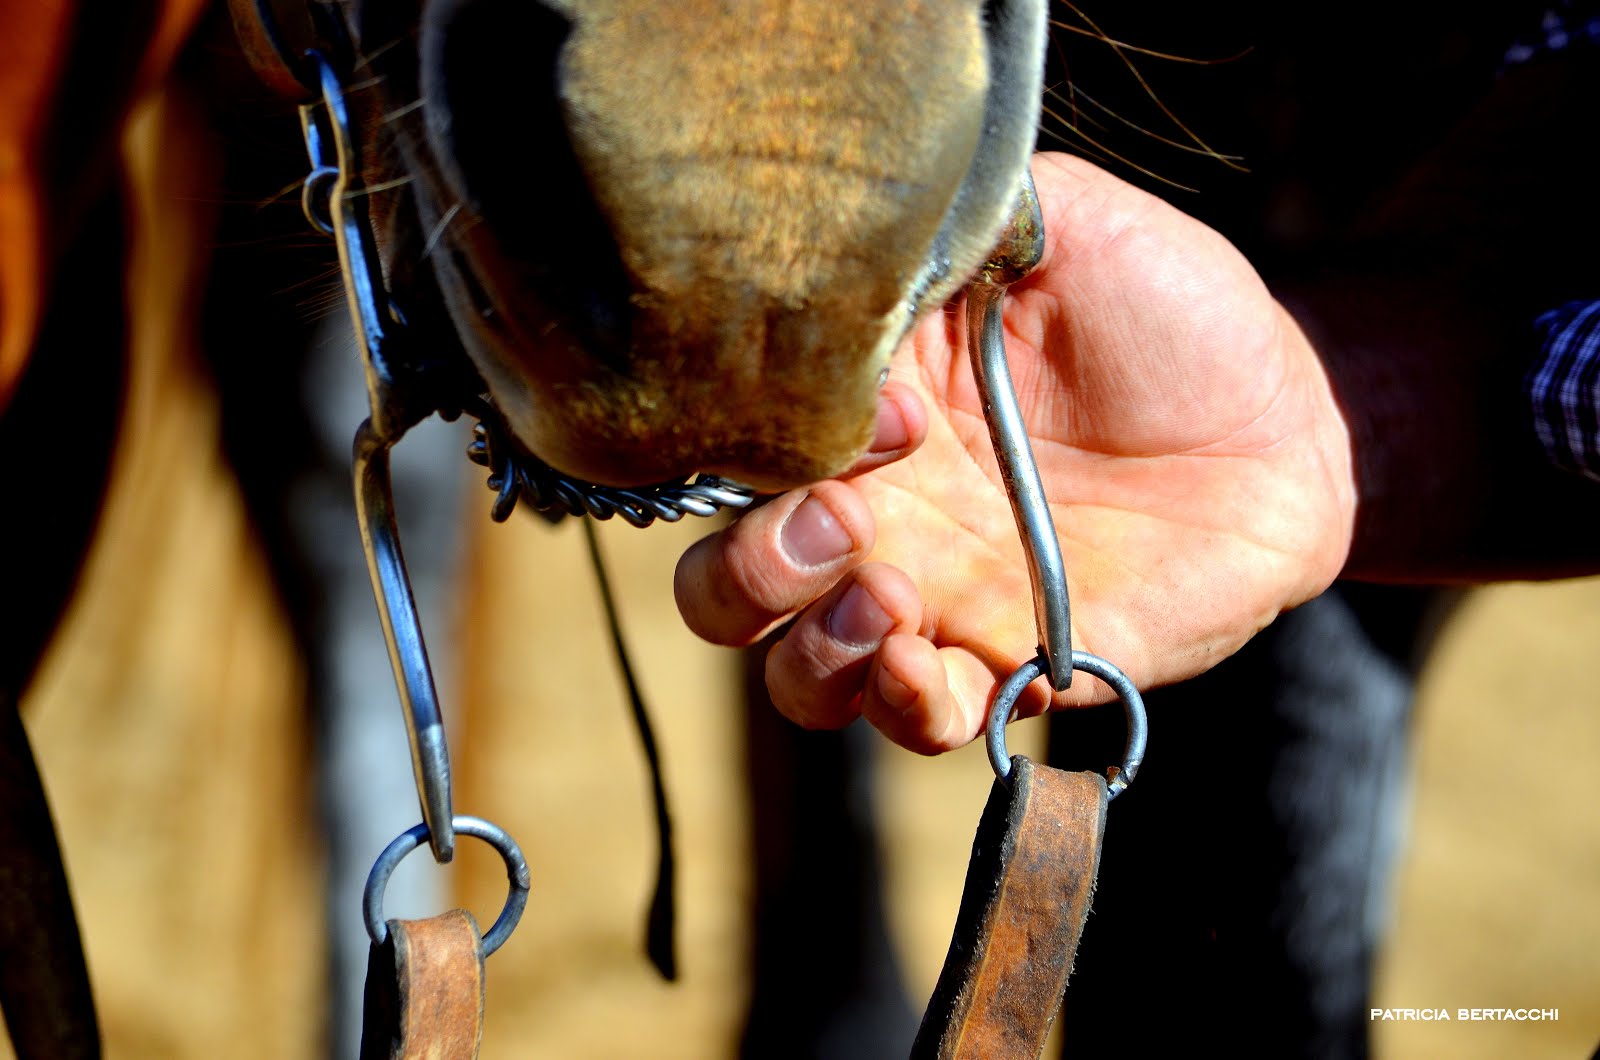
x=655, y=281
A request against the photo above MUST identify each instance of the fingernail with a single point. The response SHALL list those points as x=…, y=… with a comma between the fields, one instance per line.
x=812, y=536
x=890, y=433
x=858, y=619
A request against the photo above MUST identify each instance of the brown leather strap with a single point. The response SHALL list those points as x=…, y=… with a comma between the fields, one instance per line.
x=274, y=35
x=1027, y=893
x=424, y=997
x=44, y=984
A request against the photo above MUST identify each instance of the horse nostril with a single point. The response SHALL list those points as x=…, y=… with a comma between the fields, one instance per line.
x=491, y=82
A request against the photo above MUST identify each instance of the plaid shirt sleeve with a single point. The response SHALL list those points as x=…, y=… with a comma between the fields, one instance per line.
x=1563, y=388
x=1568, y=24
x=1563, y=385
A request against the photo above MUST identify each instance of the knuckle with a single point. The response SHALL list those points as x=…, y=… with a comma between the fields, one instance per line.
x=918, y=737
x=796, y=692
x=755, y=577
x=911, y=730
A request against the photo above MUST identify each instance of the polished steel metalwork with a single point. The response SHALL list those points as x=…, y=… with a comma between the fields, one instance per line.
x=1020, y=250
x=1118, y=777
x=333, y=203
x=517, y=876
x=1029, y=505
x=514, y=474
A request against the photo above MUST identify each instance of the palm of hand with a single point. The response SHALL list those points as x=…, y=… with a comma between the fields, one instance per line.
x=1196, y=465
x=1184, y=432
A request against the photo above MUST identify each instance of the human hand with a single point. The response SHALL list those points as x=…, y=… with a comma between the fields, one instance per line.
x=1197, y=468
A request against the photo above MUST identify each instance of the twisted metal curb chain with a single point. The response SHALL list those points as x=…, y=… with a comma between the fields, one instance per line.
x=515, y=474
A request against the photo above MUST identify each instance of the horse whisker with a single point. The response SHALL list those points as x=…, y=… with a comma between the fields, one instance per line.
x=438, y=230
x=1133, y=68
x=385, y=185
x=366, y=58
x=1135, y=126
x=1078, y=131
x=1125, y=46
x=400, y=112
x=361, y=86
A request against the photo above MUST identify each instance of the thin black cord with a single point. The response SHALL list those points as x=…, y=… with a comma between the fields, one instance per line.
x=660, y=944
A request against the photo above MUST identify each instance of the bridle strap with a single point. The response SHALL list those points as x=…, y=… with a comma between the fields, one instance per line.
x=44, y=984
x=1032, y=874
x=424, y=994
x=275, y=36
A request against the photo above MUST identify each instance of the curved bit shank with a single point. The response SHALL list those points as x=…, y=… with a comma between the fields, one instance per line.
x=334, y=204
x=402, y=631
x=1019, y=251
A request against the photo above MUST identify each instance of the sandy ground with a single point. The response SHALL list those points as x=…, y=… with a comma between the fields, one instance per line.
x=1499, y=894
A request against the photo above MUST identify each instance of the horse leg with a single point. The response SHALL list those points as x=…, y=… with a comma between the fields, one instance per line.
x=1243, y=879
x=826, y=985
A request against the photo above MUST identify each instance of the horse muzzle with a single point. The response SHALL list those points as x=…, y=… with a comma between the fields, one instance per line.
x=687, y=238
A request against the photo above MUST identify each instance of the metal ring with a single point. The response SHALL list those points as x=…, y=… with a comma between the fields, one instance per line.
x=395, y=852
x=316, y=198
x=1005, y=701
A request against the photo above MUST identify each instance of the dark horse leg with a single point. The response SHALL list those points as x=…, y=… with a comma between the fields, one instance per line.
x=1244, y=877
x=825, y=982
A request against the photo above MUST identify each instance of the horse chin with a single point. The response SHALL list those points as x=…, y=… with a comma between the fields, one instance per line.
x=661, y=265
x=767, y=397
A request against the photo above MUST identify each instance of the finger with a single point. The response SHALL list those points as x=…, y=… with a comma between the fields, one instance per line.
x=926, y=699
x=907, y=696
x=901, y=429
x=734, y=585
x=816, y=672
